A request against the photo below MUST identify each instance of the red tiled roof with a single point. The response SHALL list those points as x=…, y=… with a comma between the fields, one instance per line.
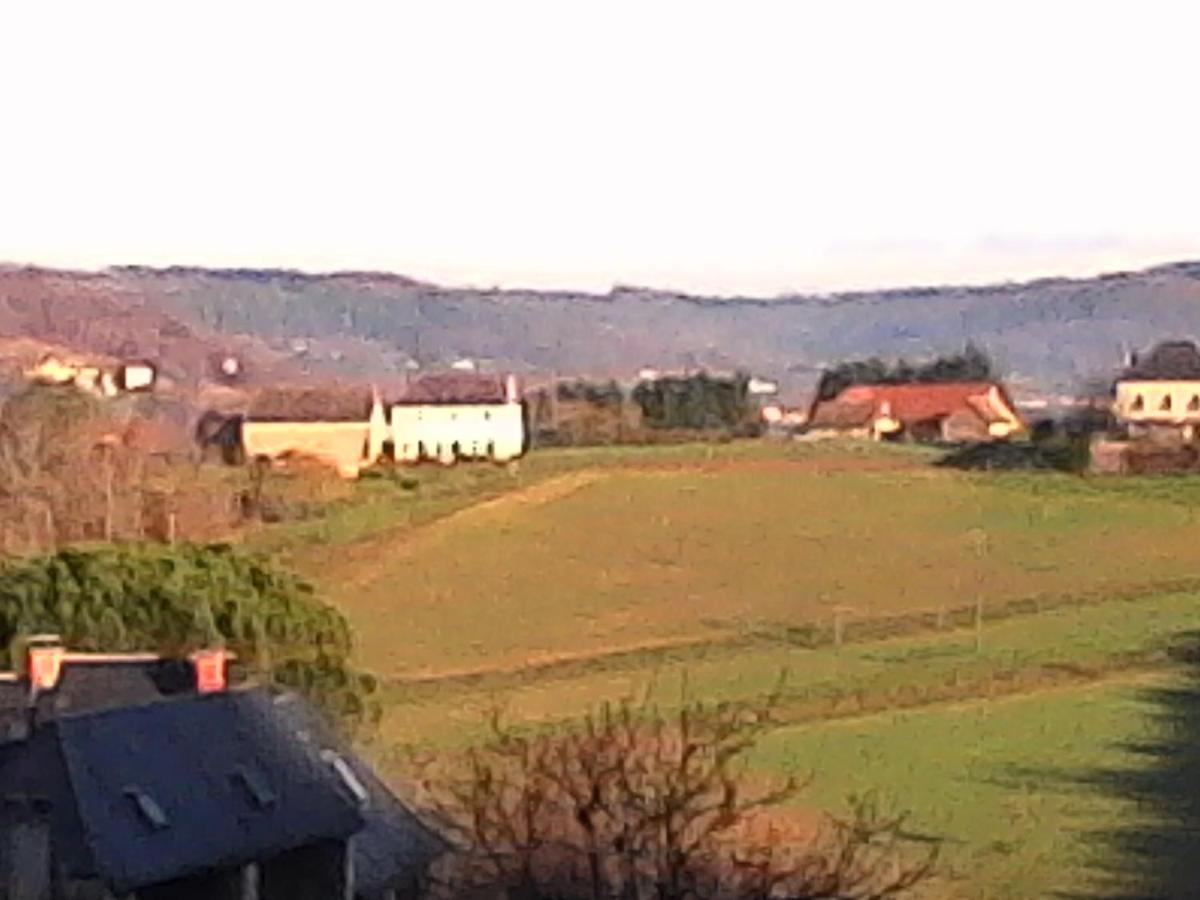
x=910, y=403
x=454, y=388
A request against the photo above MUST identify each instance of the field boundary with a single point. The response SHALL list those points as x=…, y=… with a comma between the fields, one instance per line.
x=811, y=636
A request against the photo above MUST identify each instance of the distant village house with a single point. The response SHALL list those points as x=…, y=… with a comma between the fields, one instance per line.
x=344, y=428
x=950, y=412
x=98, y=380
x=443, y=417
x=459, y=415
x=1158, y=395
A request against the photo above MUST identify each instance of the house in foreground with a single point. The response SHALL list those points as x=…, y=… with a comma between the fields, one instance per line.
x=1158, y=395
x=131, y=777
x=950, y=412
x=458, y=415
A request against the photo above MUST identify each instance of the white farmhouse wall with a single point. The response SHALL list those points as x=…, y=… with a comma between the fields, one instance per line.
x=448, y=432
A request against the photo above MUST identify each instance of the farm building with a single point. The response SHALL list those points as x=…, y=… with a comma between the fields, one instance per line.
x=345, y=428
x=458, y=415
x=950, y=412
x=1158, y=396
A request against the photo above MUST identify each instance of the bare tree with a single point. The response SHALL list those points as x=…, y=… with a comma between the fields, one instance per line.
x=633, y=804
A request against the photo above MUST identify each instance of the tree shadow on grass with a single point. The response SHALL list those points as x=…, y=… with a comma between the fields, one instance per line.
x=1157, y=855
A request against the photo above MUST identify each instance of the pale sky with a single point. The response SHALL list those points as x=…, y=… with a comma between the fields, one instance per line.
x=732, y=147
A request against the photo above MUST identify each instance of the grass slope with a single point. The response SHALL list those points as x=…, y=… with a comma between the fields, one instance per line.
x=652, y=554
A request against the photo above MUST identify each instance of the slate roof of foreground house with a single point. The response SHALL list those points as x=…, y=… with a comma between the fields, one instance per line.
x=147, y=794
x=90, y=682
x=393, y=843
x=153, y=770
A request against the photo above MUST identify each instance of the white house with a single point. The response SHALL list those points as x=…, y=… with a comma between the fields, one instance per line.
x=458, y=415
x=136, y=376
x=1160, y=393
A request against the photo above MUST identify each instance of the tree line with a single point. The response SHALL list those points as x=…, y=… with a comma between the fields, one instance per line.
x=972, y=364
x=172, y=600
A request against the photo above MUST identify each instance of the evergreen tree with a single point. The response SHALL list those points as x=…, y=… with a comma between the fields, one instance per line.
x=176, y=599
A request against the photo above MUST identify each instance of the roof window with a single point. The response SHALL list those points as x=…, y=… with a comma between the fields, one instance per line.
x=152, y=814
x=346, y=774
x=255, y=786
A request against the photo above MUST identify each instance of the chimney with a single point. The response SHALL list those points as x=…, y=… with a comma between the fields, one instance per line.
x=211, y=672
x=43, y=661
x=510, y=389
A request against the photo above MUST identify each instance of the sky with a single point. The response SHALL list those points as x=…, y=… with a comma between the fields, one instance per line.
x=738, y=147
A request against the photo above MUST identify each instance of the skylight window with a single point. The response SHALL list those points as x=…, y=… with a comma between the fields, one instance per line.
x=346, y=774
x=255, y=786
x=152, y=814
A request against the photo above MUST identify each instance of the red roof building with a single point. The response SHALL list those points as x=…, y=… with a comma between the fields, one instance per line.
x=950, y=412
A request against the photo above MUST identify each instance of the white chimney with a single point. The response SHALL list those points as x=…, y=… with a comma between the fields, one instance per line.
x=511, y=394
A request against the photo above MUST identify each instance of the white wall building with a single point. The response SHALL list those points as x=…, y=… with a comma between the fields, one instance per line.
x=458, y=415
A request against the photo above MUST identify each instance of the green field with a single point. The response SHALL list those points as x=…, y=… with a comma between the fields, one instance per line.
x=1008, y=784
x=594, y=575
x=604, y=559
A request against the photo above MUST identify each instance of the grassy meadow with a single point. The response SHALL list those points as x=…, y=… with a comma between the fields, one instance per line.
x=600, y=559
x=591, y=575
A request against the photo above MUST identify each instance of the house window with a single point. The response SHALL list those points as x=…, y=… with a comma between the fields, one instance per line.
x=487, y=415
x=1194, y=403
x=1138, y=404
x=1165, y=406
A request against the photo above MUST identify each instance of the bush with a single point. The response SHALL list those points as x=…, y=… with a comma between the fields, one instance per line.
x=1062, y=454
x=175, y=600
x=633, y=803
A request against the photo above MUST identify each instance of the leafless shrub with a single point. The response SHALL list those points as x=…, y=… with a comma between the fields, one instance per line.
x=634, y=804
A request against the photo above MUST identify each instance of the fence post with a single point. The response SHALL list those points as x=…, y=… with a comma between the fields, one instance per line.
x=979, y=540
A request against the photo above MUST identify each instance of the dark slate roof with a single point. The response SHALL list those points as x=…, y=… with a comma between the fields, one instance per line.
x=1168, y=361
x=451, y=388
x=395, y=846
x=311, y=405
x=94, y=685
x=13, y=703
x=228, y=777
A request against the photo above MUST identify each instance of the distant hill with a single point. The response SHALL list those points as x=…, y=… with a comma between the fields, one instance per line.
x=1048, y=335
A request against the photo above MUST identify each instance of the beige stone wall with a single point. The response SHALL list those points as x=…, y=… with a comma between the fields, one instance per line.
x=340, y=444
